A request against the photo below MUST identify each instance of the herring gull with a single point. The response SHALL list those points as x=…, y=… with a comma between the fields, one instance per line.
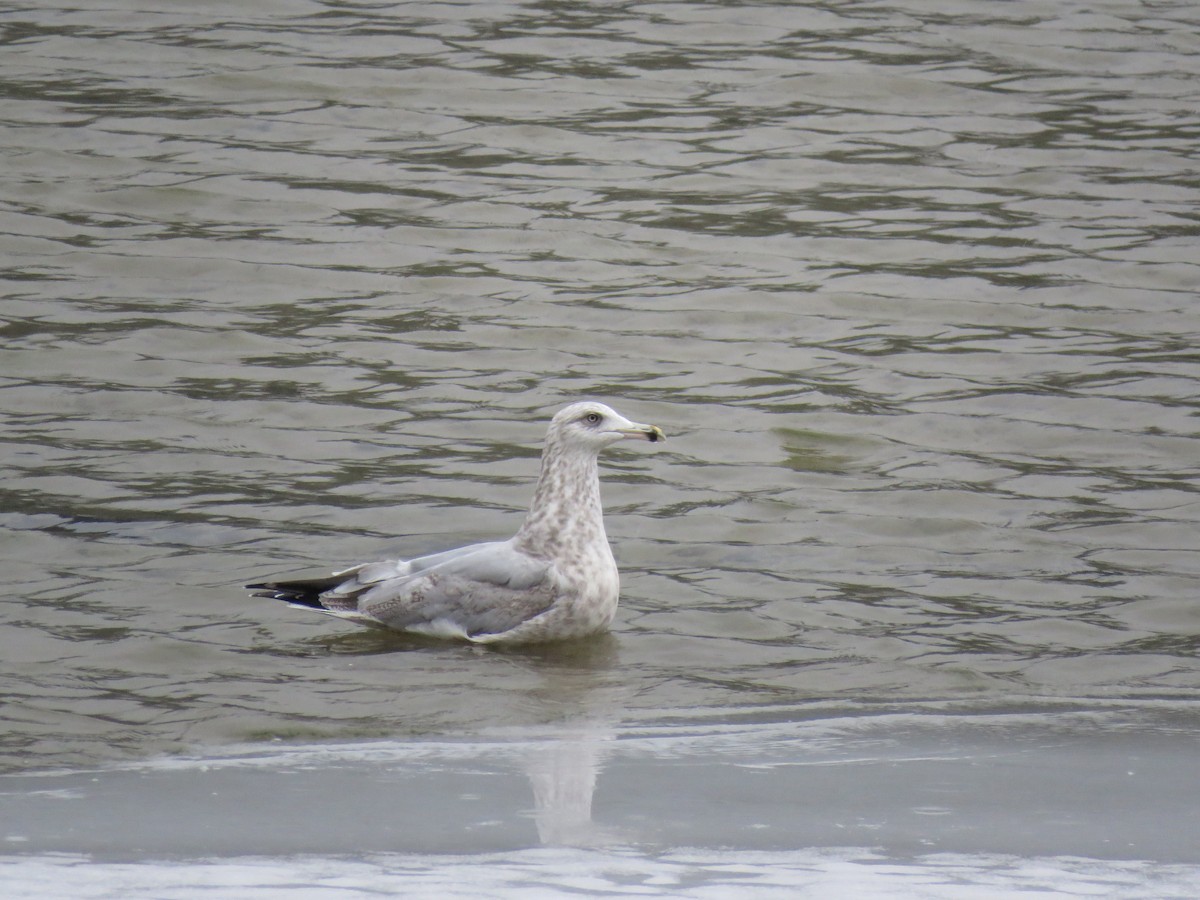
x=554, y=579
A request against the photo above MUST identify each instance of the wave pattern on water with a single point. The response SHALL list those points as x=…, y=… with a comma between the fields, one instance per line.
x=912, y=291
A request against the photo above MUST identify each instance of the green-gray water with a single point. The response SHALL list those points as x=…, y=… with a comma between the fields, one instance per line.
x=911, y=287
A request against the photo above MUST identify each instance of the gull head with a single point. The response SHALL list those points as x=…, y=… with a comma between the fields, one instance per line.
x=594, y=426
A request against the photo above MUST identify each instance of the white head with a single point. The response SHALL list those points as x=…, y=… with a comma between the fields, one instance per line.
x=594, y=425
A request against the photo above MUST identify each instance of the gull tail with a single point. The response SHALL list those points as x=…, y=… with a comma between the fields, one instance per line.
x=301, y=592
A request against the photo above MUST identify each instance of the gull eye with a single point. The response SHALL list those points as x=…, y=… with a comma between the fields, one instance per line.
x=592, y=418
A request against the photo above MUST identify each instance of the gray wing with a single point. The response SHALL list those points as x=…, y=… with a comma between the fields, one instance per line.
x=481, y=589
x=360, y=577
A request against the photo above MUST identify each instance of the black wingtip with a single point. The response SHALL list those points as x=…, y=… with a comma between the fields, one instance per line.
x=306, y=592
x=272, y=595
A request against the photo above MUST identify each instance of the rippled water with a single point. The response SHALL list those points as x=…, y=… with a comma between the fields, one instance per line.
x=911, y=287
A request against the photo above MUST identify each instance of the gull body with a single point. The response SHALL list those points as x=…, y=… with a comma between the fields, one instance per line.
x=554, y=579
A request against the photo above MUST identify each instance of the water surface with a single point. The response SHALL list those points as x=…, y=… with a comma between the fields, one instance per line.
x=911, y=288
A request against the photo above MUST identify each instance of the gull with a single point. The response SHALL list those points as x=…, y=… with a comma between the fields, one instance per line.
x=555, y=579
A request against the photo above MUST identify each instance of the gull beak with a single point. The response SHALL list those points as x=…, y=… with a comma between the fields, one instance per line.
x=651, y=433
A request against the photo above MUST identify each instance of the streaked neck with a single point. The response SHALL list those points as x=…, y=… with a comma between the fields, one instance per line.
x=566, y=503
